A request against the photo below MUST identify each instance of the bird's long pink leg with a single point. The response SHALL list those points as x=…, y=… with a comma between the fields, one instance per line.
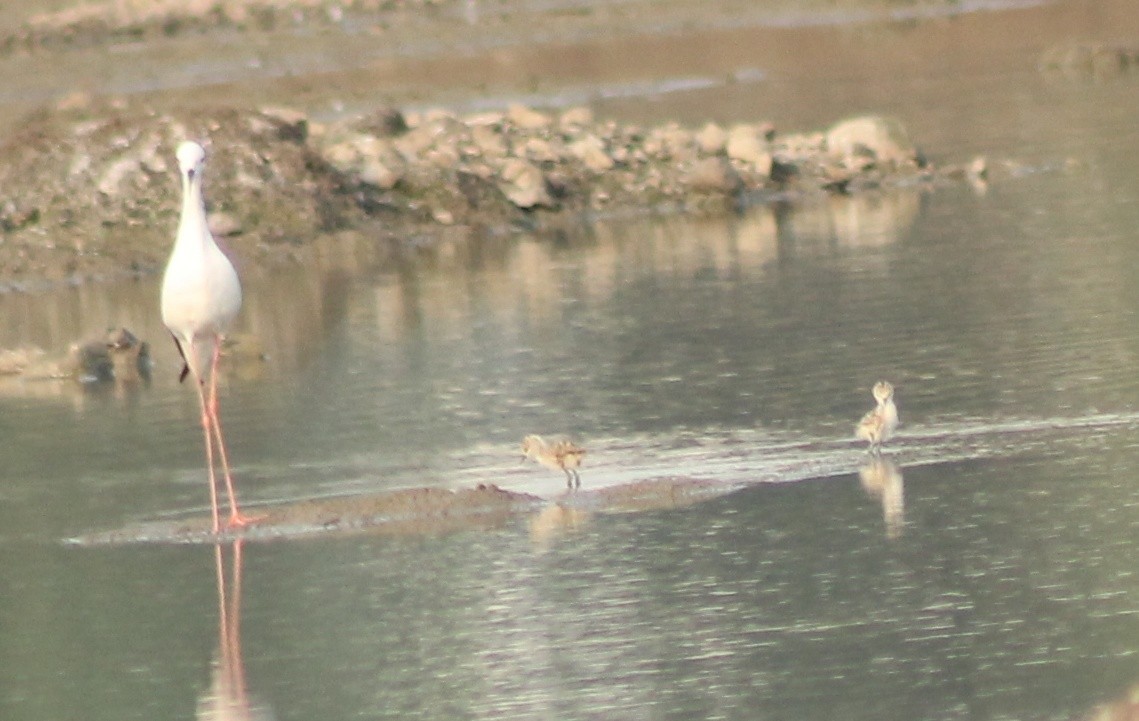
x=236, y=518
x=206, y=429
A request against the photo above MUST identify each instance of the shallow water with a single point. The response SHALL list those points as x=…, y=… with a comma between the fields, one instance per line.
x=981, y=571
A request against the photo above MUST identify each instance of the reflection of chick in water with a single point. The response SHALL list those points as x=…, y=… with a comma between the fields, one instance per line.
x=228, y=699
x=882, y=479
x=555, y=520
x=1124, y=708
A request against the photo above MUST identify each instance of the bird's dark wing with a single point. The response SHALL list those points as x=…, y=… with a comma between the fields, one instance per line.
x=185, y=364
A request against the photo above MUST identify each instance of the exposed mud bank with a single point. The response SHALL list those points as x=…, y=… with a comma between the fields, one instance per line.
x=421, y=511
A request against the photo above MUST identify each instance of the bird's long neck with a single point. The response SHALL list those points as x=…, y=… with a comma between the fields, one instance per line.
x=193, y=234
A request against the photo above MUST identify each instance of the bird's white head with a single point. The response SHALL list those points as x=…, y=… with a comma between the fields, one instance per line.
x=883, y=391
x=531, y=446
x=191, y=156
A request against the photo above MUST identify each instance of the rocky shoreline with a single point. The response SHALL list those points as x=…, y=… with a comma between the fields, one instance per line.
x=91, y=189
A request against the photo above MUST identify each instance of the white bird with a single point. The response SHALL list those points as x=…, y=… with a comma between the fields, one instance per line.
x=201, y=294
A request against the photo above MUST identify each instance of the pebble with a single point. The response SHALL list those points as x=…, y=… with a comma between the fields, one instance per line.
x=711, y=139
x=526, y=118
x=877, y=138
x=375, y=172
x=714, y=174
x=112, y=178
x=524, y=184
x=223, y=224
x=590, y=150
x=745, y=145
x=576, y=118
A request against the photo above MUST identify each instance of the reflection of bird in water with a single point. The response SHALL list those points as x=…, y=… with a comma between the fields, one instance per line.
x=228, y=698
x=883, y=480
x=878, y=425
x=555, y=520
x=1124, y=707
x=564, y=455
x=201, y=294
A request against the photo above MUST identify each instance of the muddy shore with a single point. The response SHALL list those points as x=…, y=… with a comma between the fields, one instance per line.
x=422, y=511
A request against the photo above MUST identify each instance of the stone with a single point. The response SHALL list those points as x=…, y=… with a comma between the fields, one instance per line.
x=414, y=143
x=485, y=119
x=489, y=141
x=444, y=157
x=590, y=150
x=745, y=145
x=223, y=224
x=714, y=175
x=883, y=139
x=480, y=170
x=652, y=147
x=377, y=173
x=317, y=130
x=540, y=151
x=369, y=146
x=670, y=142
x=524, y=184
x=711, y=139
x=114, y=175
x=435, y=115
x=342, y=156
x=799, y=146
x=764, y=165
x=153, y=154
x=574, y=118
x=527, y=118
